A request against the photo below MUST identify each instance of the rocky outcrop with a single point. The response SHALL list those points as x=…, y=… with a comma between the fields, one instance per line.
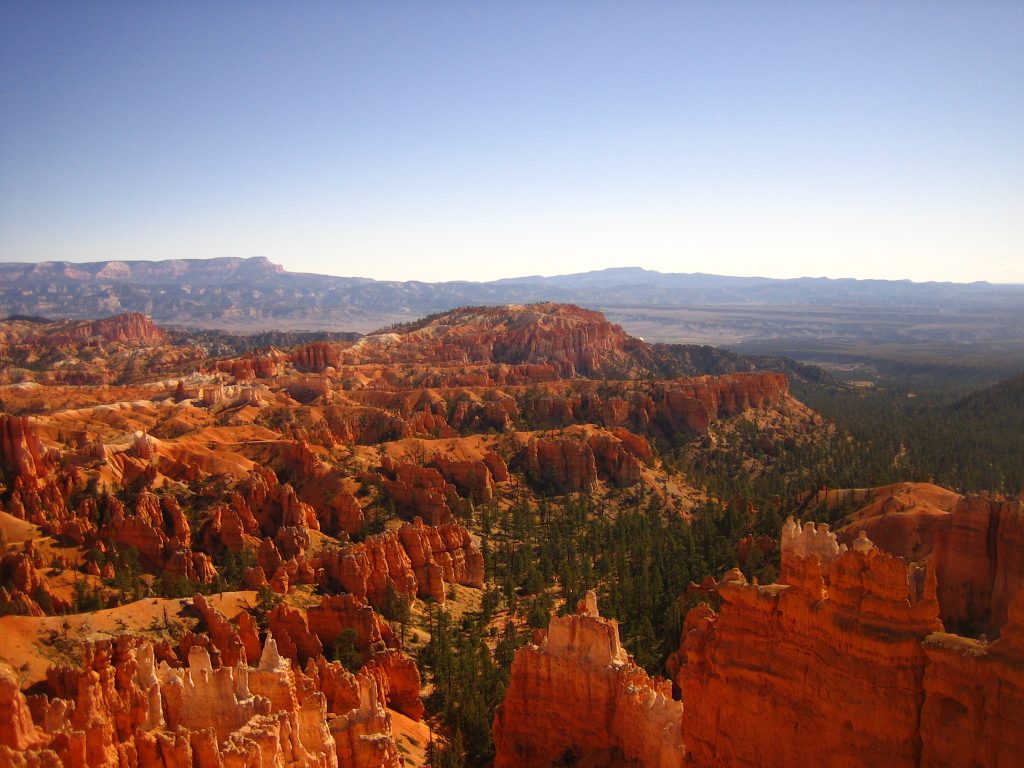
x=441, y=554
x=343, y=514
x=290, y=629
x=902, y=518
x=22, y=455
x=124, y=709
x=235, y=644
x=578, y=697
x=129, y=328
x=17, y=731
x=369, y=568
x=364, y=425
x=337, y=613
x=158, y=529
x=973, y=711
x=362, y=732
x=23, y=587
x=398, y=678
x=472, y=479
x=615, y=460
x=306, y=638
x=416, y=560
x=420, y=492
x=692, y=404
x=979, y=564
x=315, y=357
x=564, y=464
x=564, y=338
x=815, y=669
x=254, y=366
x=847, y=663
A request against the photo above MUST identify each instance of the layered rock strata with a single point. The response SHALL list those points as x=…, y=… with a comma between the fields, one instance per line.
x=578, y=697
x=980, y=563
x=847, y=663
x=124, y=709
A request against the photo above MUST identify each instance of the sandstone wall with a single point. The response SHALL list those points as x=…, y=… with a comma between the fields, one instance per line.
x=579, y=696
x=848, y=663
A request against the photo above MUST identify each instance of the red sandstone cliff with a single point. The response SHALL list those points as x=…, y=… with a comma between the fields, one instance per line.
x=846, y=663
x=980, y=563
x=578, y=697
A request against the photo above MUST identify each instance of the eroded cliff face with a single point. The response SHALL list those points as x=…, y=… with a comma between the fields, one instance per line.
x=980, y=563
x=123, y=708
x=846, y=663
x=973, y=712
x=578, y=696
x=128, y=328
x=789, y=675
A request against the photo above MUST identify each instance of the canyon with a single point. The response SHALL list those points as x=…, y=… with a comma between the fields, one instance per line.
x=789, y=674
x=244, y=559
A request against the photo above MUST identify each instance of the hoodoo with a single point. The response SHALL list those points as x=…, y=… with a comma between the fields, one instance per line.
x=577, y=696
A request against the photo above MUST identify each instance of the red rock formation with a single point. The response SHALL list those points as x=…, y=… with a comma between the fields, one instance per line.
x=421, y=492
x=979, y=563
x=692, y=404
x=147, y=530
x=315, y=357
x=798, y=680
x=336, y=613
x=194, y=566
x=578, y=697
x=842, y=665
x=636, y=445
x=364, y=426
x=416, y=560
x=362, y=726
x=439, y=554
x=665, y=407
x=292, y=633
x=399, y=681
x=254, y=366
x=497, y=465
x=23, y=588
x=562, y=338
x=902, y=519
x=300, y=639
x=341, y=514
x=367, y=568
x=22, y=455
x=973, y=712
x=123, y=710
x=472, y=479
x=16, y=728
x=614, y=461
x=235, y=646
x=129, y=328
x=566, y=464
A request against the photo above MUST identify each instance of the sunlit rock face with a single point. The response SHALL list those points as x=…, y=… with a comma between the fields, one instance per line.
x=846, y=663
x=579, y=696
x=121, y=708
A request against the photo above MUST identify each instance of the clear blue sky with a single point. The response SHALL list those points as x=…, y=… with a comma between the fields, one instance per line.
x=475, y=140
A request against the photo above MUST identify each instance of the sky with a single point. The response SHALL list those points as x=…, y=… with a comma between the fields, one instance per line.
x=478, y=140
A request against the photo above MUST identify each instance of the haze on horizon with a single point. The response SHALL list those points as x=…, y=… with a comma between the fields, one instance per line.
x=465, y=141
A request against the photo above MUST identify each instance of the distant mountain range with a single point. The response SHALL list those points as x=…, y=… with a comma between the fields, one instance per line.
x=256, y=294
